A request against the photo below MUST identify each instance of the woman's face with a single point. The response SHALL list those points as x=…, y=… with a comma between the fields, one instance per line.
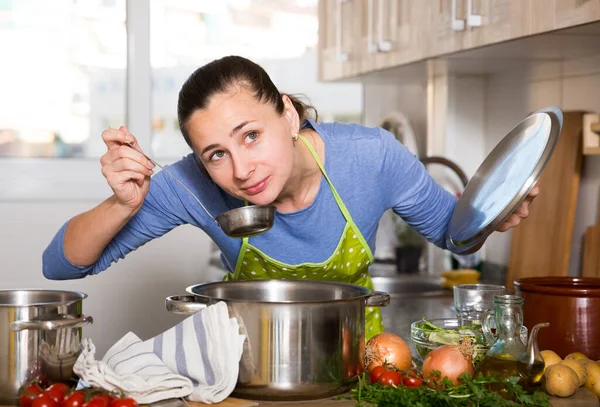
x=245, y=145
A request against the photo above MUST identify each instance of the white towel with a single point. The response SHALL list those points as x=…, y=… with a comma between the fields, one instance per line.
x=198, y=358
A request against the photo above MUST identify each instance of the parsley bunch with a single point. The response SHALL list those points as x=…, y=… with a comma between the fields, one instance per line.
x=472, y=392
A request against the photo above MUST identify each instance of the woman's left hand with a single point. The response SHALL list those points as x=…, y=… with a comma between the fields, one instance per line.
x=520, y=213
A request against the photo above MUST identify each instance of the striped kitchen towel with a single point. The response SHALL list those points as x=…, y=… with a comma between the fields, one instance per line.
x=198, y=358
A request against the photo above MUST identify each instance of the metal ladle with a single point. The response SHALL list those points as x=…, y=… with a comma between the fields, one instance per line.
x=240, y=222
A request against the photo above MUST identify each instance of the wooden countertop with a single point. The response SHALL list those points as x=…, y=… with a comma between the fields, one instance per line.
x=583, y=398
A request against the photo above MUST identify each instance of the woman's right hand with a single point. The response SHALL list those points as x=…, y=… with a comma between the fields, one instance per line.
x=126, y=169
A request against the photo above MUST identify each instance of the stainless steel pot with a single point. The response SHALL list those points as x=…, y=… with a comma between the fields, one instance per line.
x=40, y=337
x=305, y=339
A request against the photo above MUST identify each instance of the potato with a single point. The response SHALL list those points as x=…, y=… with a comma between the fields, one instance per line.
x=550, y=358
x=561, y=380
x=579, y=367
x=576, y=356
x=593, y=378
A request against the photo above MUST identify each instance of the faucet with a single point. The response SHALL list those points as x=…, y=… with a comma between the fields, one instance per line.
x=450, y=164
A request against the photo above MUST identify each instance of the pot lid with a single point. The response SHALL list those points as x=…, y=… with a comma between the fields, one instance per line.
x=504, y=179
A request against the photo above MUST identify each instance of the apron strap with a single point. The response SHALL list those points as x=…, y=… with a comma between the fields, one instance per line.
x=333, y=190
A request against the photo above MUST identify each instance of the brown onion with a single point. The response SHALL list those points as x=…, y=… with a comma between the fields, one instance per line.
x=450, y=361
x=387, y=349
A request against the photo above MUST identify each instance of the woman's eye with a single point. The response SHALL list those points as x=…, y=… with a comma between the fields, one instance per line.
x=250, y=137
x=217, y=155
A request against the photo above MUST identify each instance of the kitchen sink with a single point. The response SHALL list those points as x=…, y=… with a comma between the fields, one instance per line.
x=409, y=285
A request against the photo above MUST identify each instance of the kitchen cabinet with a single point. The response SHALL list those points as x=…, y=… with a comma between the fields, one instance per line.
x=394, y=35
x=338, y=38
x=357, y=37
x=557, y=14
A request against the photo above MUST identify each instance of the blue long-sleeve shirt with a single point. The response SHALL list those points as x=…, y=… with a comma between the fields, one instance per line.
x=371, y=171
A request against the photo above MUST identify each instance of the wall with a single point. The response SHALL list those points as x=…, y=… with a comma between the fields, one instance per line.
x=570, y=85
x=129, y=296
x=470, y=114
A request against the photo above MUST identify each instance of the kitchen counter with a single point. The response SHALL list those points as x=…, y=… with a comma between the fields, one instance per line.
x=583, y=398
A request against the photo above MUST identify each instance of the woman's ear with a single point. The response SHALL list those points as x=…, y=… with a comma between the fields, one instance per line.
x=291, y=114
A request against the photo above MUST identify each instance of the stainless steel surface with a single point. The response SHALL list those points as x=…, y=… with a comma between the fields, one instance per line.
x=27, y=353
x=304, y=338
x=409, y=285
x=448, y=163
x=245, y=221
x=504, y=179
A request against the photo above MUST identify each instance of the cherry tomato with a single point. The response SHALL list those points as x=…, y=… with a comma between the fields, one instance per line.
x=411, y=381
x=28, y=394
x=43, y=400
x=105, y=396
x=126, y=402
x=60, y=386
x=376, y=372
x=55, y=393
x=75, y=399
x=97, y=402
x=390, y=378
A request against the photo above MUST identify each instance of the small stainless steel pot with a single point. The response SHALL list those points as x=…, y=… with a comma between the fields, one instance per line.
x=305, y=339
x=40, y=337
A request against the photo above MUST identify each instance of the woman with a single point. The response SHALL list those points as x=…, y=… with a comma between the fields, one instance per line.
x=330, y=183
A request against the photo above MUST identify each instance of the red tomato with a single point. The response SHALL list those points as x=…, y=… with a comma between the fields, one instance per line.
x=376, y=372
x=60, y=386
x=76, y=399
x=43, y=400
x=411, y=381
x=55, y=394
x=97, y=402
x=390, y=379
x=126, y=402
x=28, y=394
x=105, y=396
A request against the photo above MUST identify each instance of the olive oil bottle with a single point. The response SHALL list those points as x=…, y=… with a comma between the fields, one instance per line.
x=509, y=356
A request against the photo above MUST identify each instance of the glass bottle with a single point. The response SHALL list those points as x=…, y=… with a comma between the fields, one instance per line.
x=509, y=356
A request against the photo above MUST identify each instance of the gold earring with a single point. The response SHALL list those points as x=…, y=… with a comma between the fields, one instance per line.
x=295, y=137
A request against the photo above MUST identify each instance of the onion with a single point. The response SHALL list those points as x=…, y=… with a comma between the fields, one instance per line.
x=387, y=349
x=451, y=361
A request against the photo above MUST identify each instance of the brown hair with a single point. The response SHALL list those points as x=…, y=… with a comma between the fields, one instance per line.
x=222, y=74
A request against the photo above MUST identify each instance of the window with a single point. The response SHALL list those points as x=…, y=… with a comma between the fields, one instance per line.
x=281, y=36
x=62, y=76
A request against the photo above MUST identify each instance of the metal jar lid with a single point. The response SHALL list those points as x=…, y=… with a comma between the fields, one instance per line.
x=504, y=179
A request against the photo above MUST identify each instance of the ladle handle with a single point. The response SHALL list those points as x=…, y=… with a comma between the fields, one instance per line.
x=175, y=178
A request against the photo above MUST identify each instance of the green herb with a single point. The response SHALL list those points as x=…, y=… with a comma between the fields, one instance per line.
x=472, y=392
x=431, y=333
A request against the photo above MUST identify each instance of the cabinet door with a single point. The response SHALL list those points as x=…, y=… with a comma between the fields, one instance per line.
x=408, y=32
x=548, y=16
x=379, y=39
x=501, y=20
x=574, y=12
x=446, y=28
x=337, y=39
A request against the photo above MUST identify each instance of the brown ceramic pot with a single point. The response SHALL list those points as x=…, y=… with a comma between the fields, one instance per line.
x=572, y=307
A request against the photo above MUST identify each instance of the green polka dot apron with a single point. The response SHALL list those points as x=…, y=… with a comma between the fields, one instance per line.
x=348, y=263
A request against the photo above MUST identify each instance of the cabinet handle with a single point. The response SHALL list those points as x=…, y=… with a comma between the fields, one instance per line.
x=457, y=24
x=382, y=45
x=340, y=54
x=371, y=45
x=473, y=20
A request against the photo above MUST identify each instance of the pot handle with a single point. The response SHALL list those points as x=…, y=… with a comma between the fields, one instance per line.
x=183, y=304
x=378, y=299
x=52, y=325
